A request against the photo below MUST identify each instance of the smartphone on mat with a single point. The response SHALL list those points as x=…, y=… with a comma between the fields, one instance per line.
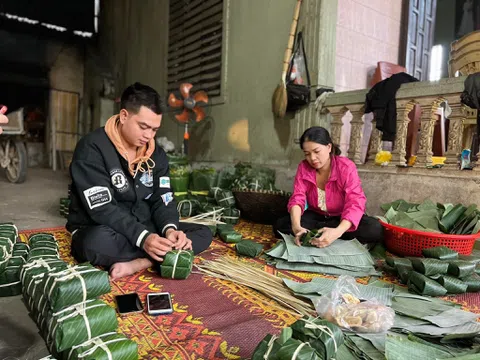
x=159, y=303
x=129, y=303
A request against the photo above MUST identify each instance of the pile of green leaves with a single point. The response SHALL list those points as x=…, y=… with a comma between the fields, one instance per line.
x=253, y=177
x=441, y=218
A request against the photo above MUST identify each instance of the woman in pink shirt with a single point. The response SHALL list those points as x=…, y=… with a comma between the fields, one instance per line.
x=329, y=185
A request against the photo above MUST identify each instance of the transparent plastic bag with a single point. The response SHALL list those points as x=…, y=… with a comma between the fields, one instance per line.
x=344, y=308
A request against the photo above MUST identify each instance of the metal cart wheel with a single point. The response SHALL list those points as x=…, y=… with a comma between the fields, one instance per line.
x=13, y=157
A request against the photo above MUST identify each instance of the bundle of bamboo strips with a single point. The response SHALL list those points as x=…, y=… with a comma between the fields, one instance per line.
x=265, y=283
x=208, y=218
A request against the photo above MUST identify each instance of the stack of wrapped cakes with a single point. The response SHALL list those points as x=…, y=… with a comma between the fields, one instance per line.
x=63, y=301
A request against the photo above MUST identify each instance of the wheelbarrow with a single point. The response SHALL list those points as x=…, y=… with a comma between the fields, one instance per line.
x=13, y=152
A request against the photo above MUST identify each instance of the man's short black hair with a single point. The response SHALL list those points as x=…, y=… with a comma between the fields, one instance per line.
x=138, y=95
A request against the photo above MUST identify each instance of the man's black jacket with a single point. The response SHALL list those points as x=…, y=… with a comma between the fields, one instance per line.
x=105, y=193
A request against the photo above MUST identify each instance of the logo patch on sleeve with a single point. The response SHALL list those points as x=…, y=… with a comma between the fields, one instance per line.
x=167, y=198
x=165, y=182
x=97, y=196
x=119, y=180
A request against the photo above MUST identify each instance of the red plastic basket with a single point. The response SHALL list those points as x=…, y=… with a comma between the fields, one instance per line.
x=407, y=242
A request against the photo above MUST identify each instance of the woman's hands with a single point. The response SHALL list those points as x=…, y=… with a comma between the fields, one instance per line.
x=298, y=231
x=328, y=236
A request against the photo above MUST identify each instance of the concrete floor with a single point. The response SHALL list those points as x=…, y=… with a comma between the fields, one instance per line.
x=31, y=205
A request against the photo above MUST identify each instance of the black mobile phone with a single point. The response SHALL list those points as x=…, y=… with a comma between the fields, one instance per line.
x=159, y=303
x=128, y=303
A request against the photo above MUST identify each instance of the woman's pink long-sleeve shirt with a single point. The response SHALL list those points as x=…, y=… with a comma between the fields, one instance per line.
x=343, y=191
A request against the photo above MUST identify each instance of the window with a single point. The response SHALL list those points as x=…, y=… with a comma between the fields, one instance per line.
x=196, y=37
x=436, y=59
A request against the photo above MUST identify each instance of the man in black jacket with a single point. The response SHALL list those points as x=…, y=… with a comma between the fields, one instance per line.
x=122, y=213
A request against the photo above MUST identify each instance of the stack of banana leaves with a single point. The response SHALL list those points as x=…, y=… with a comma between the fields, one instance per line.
x=13, y=255
x=340, y=258
x=433, y=217
x=424, y=327
x=62, y=300
x=442, y=271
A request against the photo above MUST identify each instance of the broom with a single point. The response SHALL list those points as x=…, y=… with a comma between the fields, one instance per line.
x=279, y=98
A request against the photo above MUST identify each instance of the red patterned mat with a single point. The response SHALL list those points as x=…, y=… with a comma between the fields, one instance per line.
x=212, y=318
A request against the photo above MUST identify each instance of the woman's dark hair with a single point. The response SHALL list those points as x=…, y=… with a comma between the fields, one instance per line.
x=320, y=136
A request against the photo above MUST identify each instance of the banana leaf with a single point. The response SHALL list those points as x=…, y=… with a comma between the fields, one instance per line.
x=403, y=272
x=420, y=284
x=461, y=268
x=8, y=226
x=38, y=267
x=395, y=261
x=468, y=226
x=6, y=248
x=226, y=177
x=267, y=348
x=225, y=198
x=249, y=248
x=9, y=234
x=206, y=208
x=177, y=264
x=449, y=220
x=187, y=208
x=476, y=228
x=10, y=284
x=390, y=215
x=179, y=183
x=472, y=282
x=248, y=176
x=440, y=253
x=212, y=193
x=452, y=284
x=324, y=269
x=401, y=348
x=74, y=285
x=322, y=335
x=221, y=228
x=203, y=179
x=76, y=324
x=429, y=266
x=298, y=350
x=403, y=220
x=231, y=216
x=37, y=252
x=213, y=229
x=104, y=347
x=363, y=348
x=44, y=242
x=399, y=205
x=306, y=237
x=40, y=237
x=231, y=236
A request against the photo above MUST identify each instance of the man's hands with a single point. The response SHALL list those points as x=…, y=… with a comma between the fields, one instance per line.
x=157, y=246
x=179, y=239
